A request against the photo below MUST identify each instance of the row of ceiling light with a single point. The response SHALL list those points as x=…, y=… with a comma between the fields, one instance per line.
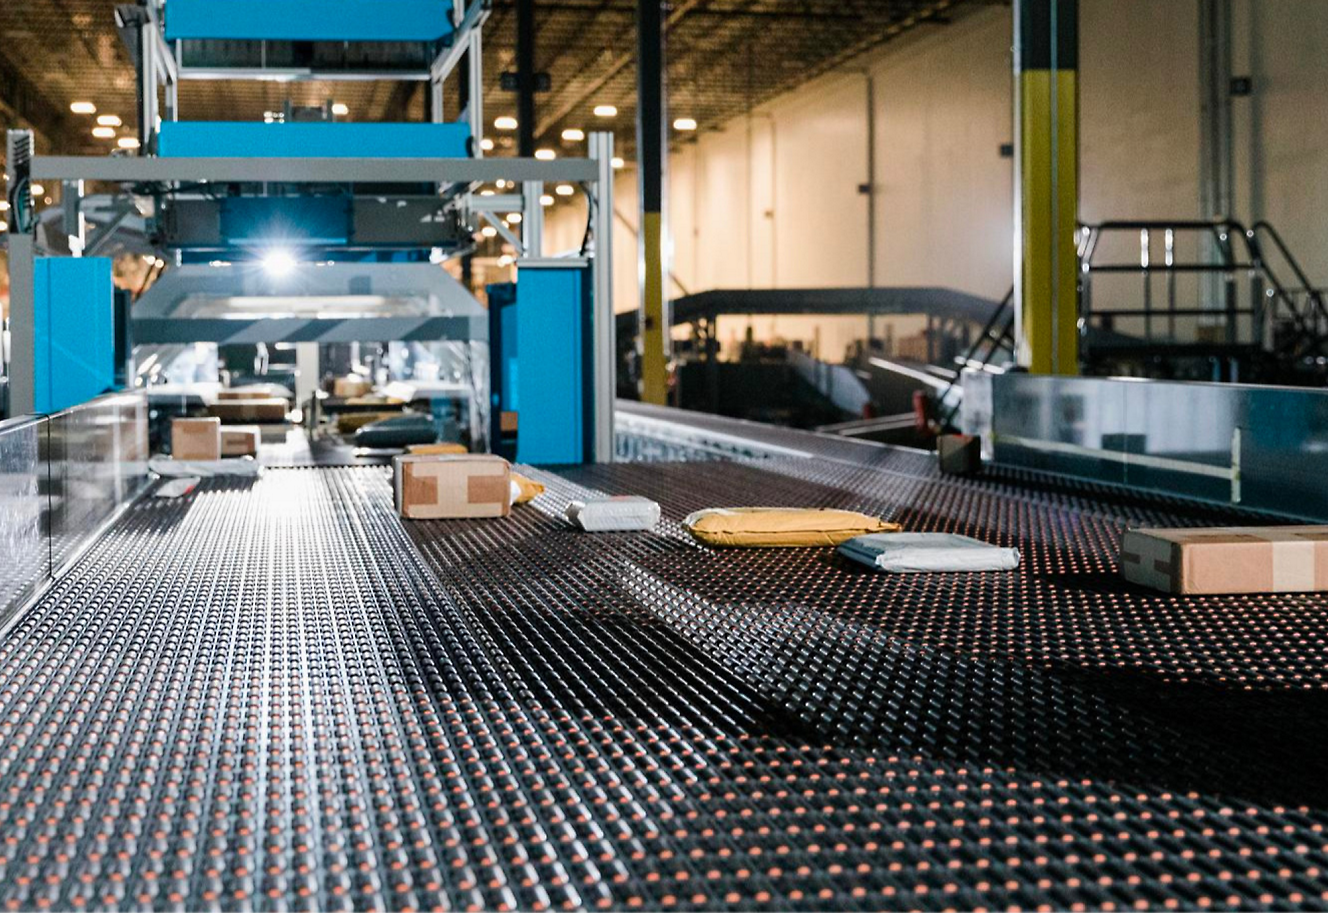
x=106, y=125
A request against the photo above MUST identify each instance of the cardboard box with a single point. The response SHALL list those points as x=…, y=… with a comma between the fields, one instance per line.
x=196, y=439
x=452, y=487
x=347, y=387
x=240, y=440
x=960, y=454
x=270, y=409
x=252, y=391
x=507, y=422
x=350, y=422
x=1235, y=559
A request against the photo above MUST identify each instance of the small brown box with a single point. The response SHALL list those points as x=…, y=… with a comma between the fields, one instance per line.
x=271, y=409
x=452, y=487
x=240, y=440
x=1233, y=559
x=347, y=387
x=507, y=422
x=196, y=439
x=960, y=454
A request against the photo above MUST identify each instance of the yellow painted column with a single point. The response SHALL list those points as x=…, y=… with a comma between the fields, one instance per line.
x=654, y=329
x=1047, y=186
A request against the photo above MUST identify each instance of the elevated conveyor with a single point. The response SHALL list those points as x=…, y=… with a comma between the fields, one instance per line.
x=275, y=695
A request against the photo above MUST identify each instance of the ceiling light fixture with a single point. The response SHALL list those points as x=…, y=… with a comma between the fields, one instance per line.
x=546, y=199
x=684, y=123
x=83, y=107
x=486, y=144
x=109, y=120
x=513, y=218
x=564, y=190
x=103, y=132
x=545, y=155
x=489, y=231
x=506, y=122
x=606, y=111
x=127, y=142
x=340, y=109
x=617, y=163
x=574, y=134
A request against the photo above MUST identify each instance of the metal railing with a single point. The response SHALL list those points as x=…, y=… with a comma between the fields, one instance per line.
x=1241, y=300
x=995, y=339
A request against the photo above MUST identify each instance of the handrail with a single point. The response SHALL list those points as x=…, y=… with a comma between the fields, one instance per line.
x=1005, y=314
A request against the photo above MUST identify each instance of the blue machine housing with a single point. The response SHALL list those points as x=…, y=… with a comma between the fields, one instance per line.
x=273, y=220
x=74, y=331
x=316, y=139
x=542, y=363
x=309, y=20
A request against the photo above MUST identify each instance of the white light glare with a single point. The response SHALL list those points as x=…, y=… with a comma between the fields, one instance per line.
x=278, y=262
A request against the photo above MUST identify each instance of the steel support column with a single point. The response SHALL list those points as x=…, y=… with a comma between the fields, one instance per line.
x=604, y=325
x=22, y=269
x=652, y=152
x=1046, y=63
x=525, y=77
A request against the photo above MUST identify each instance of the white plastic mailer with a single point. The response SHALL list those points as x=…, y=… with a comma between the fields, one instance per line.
x=918, y=553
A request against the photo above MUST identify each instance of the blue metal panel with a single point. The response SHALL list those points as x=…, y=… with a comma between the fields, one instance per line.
x=236, y=139
x=305, y=220
x=554, y=380
x=310, y=20
x=73, y=331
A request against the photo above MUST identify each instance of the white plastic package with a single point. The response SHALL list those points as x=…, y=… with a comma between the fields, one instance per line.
x=207, y=469
x=176, y=488
x=910, y=553
x=621, y=514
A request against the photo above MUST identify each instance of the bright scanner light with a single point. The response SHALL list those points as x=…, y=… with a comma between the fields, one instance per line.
x=279, y=263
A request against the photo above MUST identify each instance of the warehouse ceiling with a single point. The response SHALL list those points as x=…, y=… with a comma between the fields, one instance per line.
x=724, y=56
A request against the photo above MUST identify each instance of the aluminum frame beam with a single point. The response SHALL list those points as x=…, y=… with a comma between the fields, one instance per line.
x=149, y=170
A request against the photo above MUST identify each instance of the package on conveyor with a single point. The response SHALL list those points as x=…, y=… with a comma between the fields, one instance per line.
x=1228, y=559
x=351, y=385
x=625, y=513
x=196, y=438
x=959, y=454
x=435, y=449
x=921, y=553
x=790, y=527
x=445, y=486
x=255, y=391
x=525, y=490
x=240, y=440
x=350, y=422
x=266, y=409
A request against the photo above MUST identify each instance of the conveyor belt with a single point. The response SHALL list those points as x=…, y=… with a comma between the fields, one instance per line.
x=275, y=695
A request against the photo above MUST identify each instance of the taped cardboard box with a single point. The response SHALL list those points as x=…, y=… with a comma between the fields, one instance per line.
x=440, y=487
x=240, y=440
x=347, y=387
x=959, y=454
x=270, y=409
x=1223, y=560
x=196, y=438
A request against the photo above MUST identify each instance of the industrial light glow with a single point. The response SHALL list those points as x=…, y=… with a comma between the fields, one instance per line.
x=564, y=190
x=545, y=155
x=4, y=226
x=489, y=231
x=127, y=142
x=83, y=107
x=574, y=134
x=4, y=206
x=37, y=190
x=546, y=199
x=340, y=109
x=684, y=123
x=513, y=218
x=506, y=122
x=103, y=132
x=109, y=120
x=606, y=111
x=486, y=144
x=279, y=263
x=617, y=163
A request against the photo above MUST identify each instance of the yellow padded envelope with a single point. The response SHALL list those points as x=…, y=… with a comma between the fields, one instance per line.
x=530, y=489
x=786, y=527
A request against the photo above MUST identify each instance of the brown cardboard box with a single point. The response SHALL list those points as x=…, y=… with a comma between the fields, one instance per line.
x=240, y=440
x=912, y=348
x=960, y=454
x=196, y=439
x=1235, y=559
x=270, y=409
x=452, y=487
x=347, y=387
x=350, y=422
x=507, y=422
x=252, y=391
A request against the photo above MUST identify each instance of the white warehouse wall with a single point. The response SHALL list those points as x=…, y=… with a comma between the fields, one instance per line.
x=772, y=199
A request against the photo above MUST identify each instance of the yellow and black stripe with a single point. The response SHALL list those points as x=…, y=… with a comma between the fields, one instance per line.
x=1047, y=64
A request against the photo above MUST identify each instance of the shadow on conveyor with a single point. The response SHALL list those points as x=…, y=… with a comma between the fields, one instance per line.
x=788, y=626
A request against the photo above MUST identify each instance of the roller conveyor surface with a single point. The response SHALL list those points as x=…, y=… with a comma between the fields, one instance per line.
x=275, y=695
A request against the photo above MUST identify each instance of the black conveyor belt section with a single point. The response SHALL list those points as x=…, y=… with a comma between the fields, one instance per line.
x=276, y=695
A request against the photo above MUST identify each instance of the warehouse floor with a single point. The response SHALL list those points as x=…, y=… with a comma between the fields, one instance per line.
x=274, y=694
